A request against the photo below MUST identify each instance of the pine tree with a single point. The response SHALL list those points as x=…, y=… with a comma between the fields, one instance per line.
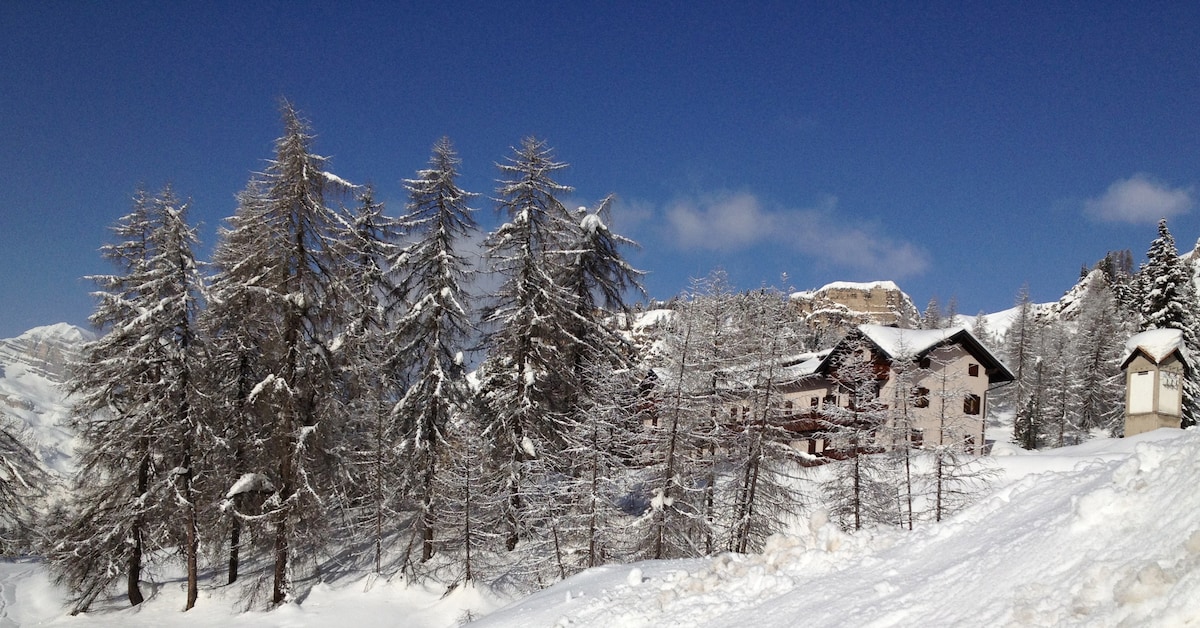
x=1168, y=301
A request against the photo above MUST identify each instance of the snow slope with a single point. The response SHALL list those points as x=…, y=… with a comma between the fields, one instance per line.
x=1102, y=534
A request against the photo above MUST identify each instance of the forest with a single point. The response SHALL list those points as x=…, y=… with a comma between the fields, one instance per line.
x=329, y=393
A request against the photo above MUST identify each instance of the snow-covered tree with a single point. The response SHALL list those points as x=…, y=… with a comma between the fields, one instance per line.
x=1096, y=351
x=136, y=410
x=239, y=326
x=763, y=491
x=296, y=263
x=530, y=322
x=23, y=482
x=430, y=339
x=363, y=354
x=1022, y=357
x=861, y=489
x=1168, y=300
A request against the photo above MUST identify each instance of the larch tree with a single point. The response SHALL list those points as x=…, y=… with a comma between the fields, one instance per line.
x=1097, y=344
x=763, y=494
x=136, y=410
x=528, y=326
x=301, y=388
x=861, y=489
x=429, y=341
x=239, y=325
x=1021, y=351
x=374, y=473
x=23, y=482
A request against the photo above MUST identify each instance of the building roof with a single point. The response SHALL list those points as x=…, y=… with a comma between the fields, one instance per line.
x=1157, y=345
x=896, y=342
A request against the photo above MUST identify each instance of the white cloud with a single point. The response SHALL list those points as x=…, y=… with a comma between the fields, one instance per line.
x=730, y=222
x=1139, y=199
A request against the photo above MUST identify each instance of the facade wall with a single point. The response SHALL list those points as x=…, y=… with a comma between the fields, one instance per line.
x=951, y=376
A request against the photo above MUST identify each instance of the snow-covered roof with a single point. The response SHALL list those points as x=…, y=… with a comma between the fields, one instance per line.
x=803, y=365
x=897, y=342
x=914, y=343
x=1157, y=344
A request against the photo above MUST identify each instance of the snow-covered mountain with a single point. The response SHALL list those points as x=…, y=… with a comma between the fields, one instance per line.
x=852, y=303
x=33, y=368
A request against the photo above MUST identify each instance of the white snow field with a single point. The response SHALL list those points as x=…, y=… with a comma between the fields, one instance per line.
x=1101, y=534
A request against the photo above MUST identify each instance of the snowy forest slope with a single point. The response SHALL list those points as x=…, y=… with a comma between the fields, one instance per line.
x=1101, y=534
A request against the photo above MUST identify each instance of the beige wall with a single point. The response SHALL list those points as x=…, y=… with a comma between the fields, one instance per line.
x=944, y=420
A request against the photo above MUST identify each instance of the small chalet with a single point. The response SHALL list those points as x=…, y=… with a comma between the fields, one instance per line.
x=1156, y=362
x=946, y=375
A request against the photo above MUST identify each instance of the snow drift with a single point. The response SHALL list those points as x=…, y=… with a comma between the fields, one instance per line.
x=1102, y=534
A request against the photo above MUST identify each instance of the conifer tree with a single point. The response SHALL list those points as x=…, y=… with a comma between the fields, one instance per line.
x=430, y=339
x=1168, y=300
x=135, y=410
x=23, y=483
x=296, y=261
x=239, y=326
x=1020, y=349
x=530, y=323
x=860, y=491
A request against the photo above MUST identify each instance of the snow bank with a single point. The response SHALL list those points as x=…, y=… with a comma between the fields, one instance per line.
x=1104, y=534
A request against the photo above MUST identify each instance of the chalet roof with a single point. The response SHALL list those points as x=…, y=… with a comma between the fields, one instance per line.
x=896, y=342
x=1157, y=345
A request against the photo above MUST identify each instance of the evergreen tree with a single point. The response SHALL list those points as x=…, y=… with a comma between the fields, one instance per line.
x=1168, y=301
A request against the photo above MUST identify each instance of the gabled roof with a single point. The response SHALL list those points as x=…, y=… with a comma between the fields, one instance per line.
x=894, y=342
x=1157, y=345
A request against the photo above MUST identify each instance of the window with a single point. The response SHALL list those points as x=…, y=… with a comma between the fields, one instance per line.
x=787, y=406
x=973, y=370
x=920, y=397
x=971, y=404
x=831, y=400
x=925, y=363
x=814, y=402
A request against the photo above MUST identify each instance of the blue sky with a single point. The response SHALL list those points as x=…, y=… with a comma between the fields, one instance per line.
x=960, y=149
